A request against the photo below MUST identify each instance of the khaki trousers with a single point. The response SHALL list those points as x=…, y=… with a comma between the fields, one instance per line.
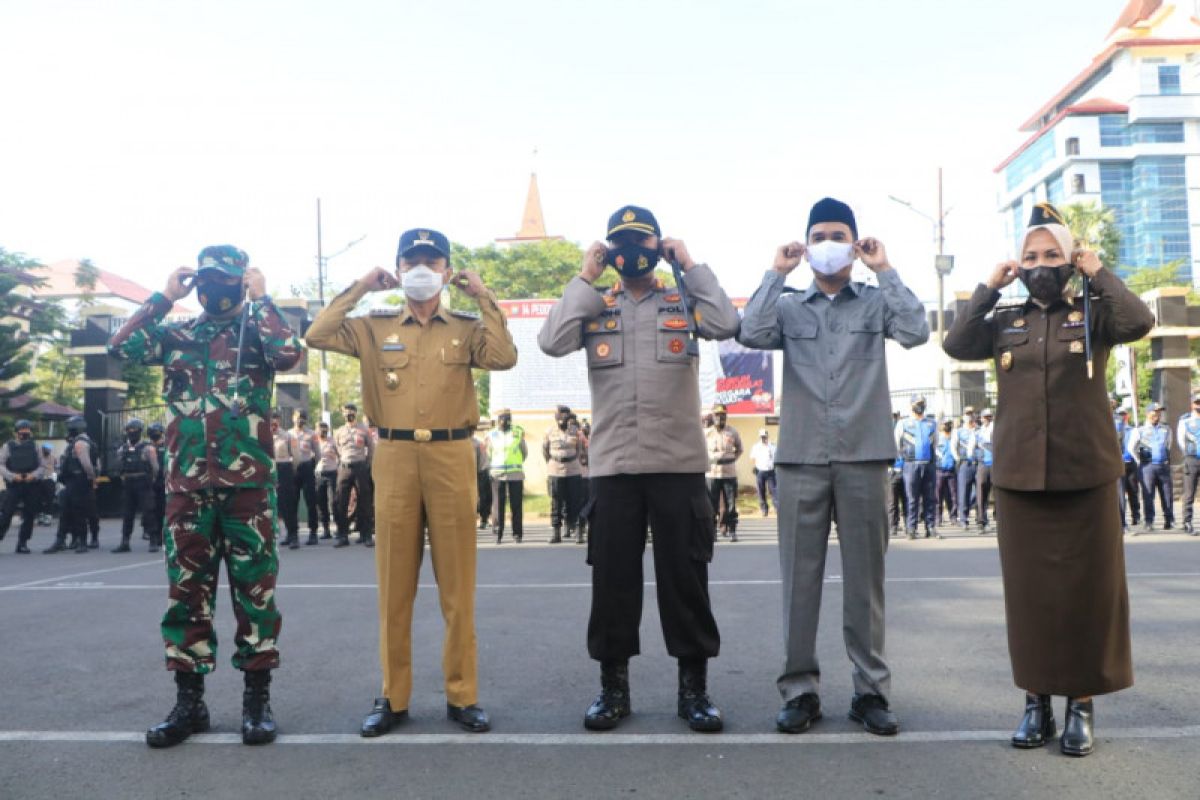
x=420, y=484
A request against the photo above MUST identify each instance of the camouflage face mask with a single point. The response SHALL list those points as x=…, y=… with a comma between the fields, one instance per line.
x=219, y=298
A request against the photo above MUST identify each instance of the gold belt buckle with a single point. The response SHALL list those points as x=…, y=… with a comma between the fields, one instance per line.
x=422, y=435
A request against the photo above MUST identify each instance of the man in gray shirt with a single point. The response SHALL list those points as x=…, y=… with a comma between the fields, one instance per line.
x=835, y=444
x=646, y=457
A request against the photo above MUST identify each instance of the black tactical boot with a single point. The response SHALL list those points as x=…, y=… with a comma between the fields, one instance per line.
x=81, y=545
x=23, y=547
x=258, y=726
x=60, y=544
x=733, y=533
x=612, y=704
x=155, y=543
x=94, y=544
x=557, y=537
x=694, y=706
x=312, y=538
x=123, y=547
x=189, y=715
x=1037, y=725
x=342, y=541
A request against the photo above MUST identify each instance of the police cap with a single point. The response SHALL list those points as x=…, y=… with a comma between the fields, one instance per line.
x=633, y=218
x=23, y=425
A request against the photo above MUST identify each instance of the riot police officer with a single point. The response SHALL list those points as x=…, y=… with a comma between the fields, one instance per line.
x=137, y=463
x=78, y=475
x=21, y=468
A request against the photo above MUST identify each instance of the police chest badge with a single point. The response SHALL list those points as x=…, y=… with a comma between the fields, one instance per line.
x=602, y=350
x=676, y=346
x=392, y=379
x=1075, y=316
x=1018, y=323
x=1075, y=347
x=1006, y=359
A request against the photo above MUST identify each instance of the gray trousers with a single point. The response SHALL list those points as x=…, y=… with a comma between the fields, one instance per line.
x=808, y=495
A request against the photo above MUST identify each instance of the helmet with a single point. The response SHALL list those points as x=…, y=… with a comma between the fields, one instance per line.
x=23, y=424
x=135, y=424
x=76, y=425
x=155, y=430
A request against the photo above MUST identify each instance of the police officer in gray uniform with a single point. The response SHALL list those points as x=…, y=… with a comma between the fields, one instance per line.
x=647, y=456
x=1187, y=436
x=21, y=468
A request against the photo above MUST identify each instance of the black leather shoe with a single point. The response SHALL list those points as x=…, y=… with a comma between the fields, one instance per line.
x=1169, y=526
x=798, y=714
x=471, y=718
x=312, y=539
x=367, y=542
x=873, y=712
x=342, y=541
x=22, y=548
x=258, y=724
x=381, y=719
x=694, y=705
x=612, y=704
x=189, y=715
x=1077, y=737
x=1037, y=726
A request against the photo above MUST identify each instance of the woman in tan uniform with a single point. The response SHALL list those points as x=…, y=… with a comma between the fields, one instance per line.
x=1056, y=463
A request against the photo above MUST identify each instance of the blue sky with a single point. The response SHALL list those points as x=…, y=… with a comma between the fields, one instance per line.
x=138, y=132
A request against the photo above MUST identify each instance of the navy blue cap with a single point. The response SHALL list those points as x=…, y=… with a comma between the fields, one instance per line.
x=633, y=218
x=422, y=237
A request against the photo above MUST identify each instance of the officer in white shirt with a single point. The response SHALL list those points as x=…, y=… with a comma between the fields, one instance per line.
x=763, y=456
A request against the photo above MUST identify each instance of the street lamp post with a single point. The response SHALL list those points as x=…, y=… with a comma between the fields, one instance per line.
x=942, y=264
x=322, y=272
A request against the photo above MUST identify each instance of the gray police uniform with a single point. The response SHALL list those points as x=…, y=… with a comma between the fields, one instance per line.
x=21, y=458
x=646, y=458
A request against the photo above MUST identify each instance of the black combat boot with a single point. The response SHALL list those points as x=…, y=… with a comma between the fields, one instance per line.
x=343, y=540
x=94, y=544
x=312, y=538
x=155, y=543
x=694, y=706
x=60, y=544
x=81, y=545
x=612, y=704
x=258, y=725
x=1037, y=725
x=733, y=533
x=189, y=715
x=23, y=547
x=123, y=547
x=557, y=537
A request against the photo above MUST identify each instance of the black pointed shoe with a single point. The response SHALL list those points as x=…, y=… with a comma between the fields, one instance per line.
x=470, y=718
x=798, y=714
x=189, y=715
x=695, y=707
x=381, y=719
x=612, y=704
x=873, y=712
x=258, y=724
x=1037, y=726
x=1077, y=736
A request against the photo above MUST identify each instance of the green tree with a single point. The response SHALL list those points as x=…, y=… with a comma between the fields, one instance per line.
x=1094, y=228
x=16, y=271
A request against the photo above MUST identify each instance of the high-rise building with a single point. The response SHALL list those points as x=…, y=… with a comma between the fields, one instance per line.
x=1124, y=132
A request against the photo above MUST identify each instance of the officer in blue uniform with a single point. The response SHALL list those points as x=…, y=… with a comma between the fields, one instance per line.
x=916, y=438
x=1187, y=436
x=983, y=468
x=897, y=502
x=1128, y=485
x=1151, y=445
x=947, y=486
x=964, y=459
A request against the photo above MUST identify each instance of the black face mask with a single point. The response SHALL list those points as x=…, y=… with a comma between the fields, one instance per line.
x=1045, y=284
x=133, y=437
x=919, y=409
x=219, y=298
x=632, y=260
x=351, y=416
x=505, y=423
x=562, y=425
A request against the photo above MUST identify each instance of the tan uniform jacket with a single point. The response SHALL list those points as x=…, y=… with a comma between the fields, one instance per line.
x=415, y=376
x=724, y=449
x=304, y=444
x=1053, y=428
x=354, y=443
x=563, y=452
x=329, y=455
x=645, y=386
x=284, y=452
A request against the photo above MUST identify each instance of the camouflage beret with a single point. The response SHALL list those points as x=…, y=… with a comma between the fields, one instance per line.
x=223, y=257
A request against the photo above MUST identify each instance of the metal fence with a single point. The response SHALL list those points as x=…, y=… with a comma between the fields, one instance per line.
x=944, y=402
x=112, y=429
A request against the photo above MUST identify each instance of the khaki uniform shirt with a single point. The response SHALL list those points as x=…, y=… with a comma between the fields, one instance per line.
x=562, y=451
x=724, y=448
x=1053, y=427
x=304, y=444
x=329, y=455
x=353, y=443
x=284, y=454
x=417, y=376
x=645, y=385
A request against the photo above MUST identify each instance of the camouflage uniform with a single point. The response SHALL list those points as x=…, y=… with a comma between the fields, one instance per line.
x=220, y=478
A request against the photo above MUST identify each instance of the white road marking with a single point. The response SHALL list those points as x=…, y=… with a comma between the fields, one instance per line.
x=95, y=585
x=62, y=578
x=715, y=741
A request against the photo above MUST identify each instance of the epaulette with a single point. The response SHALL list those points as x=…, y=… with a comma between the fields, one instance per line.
x=1012, y=304
x=464, y=315
x=391, y=311
x=790, y=290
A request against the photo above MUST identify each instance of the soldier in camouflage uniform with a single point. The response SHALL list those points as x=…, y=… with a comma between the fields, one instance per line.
x=220, y=477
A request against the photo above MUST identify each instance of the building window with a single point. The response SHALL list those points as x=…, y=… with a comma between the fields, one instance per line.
x=1030, y=161
x=1168, y=79
x=1114, y=130
x=1148, y=198
x=1156, y=133
x=1073, y=146
x=1055, y=193
x=1078, y=184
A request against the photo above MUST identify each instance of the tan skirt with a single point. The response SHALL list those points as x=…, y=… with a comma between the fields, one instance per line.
x=1065, y=598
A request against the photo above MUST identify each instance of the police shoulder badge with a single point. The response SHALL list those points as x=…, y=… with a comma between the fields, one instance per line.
x=1018, y=323
x=1075, y=316
x=1006, y=360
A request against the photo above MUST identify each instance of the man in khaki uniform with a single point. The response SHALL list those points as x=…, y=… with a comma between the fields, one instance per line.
x=285, y=471
x=416, y=364
x=724, y=449
x=355, y=449
x=562, y=449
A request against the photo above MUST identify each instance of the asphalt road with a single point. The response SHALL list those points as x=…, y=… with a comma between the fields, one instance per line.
x=81, y=677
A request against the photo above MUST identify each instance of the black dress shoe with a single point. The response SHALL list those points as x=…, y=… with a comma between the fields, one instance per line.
x=1037, y=726
x=798, y=714
x=22, y=548
x=342, y=541
x=471, y=718
x=381, y=719
x=312, y=539
x=1077, y=737
x=873, y=712
x=612, y=704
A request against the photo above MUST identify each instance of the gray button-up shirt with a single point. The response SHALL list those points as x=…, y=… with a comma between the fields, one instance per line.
x=836, y=405
x=645, y=386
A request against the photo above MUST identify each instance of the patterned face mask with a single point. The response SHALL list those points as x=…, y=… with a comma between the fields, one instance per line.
x=219, y=298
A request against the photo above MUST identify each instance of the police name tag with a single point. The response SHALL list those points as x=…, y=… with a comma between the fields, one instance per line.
x=392, y=347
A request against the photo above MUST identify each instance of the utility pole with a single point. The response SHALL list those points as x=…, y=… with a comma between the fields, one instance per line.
x=324, y=374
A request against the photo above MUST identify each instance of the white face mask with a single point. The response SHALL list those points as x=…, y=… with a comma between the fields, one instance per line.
x=420, y=283
x=830, y=257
